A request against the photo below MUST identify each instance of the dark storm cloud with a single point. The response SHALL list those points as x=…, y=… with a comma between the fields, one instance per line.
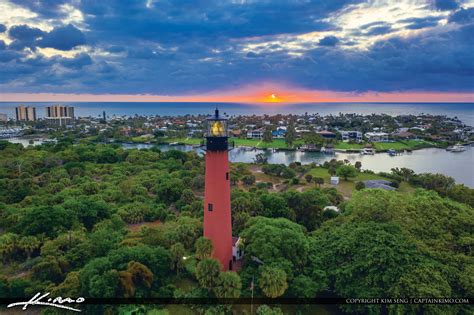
x=63, y=38
x=329, y=41
x=179, y=47
x=446, y=5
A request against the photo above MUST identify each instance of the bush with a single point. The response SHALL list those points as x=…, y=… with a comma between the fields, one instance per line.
x=359, y=186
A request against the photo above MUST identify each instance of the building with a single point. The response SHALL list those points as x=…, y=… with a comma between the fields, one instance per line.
x=334, y=180
x=327, y=134
x=353, y=136
x=255, y=134
x=3, y=117
x=60, y=115
x=217, y=215
x=376, y=136
x=279, y=133
x=25, y=113
x=237, y=251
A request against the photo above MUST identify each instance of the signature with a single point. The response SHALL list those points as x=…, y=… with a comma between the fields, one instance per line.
x=56, y=302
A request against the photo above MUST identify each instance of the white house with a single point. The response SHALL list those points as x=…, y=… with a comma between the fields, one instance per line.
x=376, y=136
x=255, y=134
x=334, y=180
x=351, y=136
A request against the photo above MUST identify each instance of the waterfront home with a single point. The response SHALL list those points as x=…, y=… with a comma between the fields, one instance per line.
x=255, y=134
x=376, y=136
x=406, y=135
x=327, y=134
x=355, y=136
x=279, y=133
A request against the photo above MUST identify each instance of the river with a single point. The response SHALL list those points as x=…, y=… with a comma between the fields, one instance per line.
x=459, y=165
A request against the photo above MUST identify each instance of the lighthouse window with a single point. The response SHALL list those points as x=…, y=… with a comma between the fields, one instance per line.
x=209, y=207
x=227, y=176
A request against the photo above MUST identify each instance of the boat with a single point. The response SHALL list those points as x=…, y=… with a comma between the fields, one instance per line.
x=367, y=151
x=458, y=148
x=392, y=152
x=174, y=143
x=450, y=148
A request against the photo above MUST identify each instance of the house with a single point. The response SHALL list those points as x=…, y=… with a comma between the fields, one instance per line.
x=327, y=134
x=255, y=134
x=237, y=251
x=235, y=132
x=334, y=180
x=404, y=135
x=378, y=183
x=376, y=136
x=279, y=133
x=355, y=136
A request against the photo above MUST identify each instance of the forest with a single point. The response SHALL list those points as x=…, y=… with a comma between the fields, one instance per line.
x=100, y=221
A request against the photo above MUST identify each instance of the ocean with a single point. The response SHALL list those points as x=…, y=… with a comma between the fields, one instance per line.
x=464, y=111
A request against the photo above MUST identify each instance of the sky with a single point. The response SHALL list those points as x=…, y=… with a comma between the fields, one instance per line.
x=237, y=51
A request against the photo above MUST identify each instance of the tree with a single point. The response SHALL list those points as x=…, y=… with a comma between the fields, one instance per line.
x=228, y=285
x=260, y=159
x=8, y=243
x=267, y=135
x=248, y=180
x=207, y=273
x=308, y=178
x=272, y=281
x=275, y=240
x=359, y=186
x=177, y=256
x=46, y=219
x=204, y=248
x=358, y=165
x=332, y=170
x=290, y=135
x=346, y=171
x=319, y=181
x=28, y=244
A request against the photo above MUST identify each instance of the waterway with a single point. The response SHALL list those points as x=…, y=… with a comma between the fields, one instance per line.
x=458, y=165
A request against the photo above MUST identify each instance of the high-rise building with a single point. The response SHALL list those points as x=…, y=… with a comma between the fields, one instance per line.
x=25, y=113
x=60, y=114
x=217, y=214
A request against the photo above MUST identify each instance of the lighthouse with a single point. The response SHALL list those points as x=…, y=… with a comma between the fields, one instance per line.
x=217, y=215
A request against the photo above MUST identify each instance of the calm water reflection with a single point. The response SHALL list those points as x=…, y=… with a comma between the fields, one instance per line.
x=460, y=165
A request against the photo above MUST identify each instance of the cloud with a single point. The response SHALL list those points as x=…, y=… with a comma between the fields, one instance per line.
x=462, y=16
x=446, y=5
x=3, y=28
x=63, y=38
x=329, y=41
x=418, y=23
x=176, y=47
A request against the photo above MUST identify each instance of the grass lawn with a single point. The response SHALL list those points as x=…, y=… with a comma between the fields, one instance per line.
x=403, y=145
x=347, y=187
x=190, y=141
x=398, y=145
x=348, y=146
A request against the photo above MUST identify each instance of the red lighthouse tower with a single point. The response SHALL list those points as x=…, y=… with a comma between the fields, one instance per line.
x=217, y=215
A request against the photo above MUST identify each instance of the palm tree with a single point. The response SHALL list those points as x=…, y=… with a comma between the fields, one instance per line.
x=28, y=244
x=7, y=245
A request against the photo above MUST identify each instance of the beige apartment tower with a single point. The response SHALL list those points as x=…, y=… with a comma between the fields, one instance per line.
x=25, y=113
x=61, y=115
